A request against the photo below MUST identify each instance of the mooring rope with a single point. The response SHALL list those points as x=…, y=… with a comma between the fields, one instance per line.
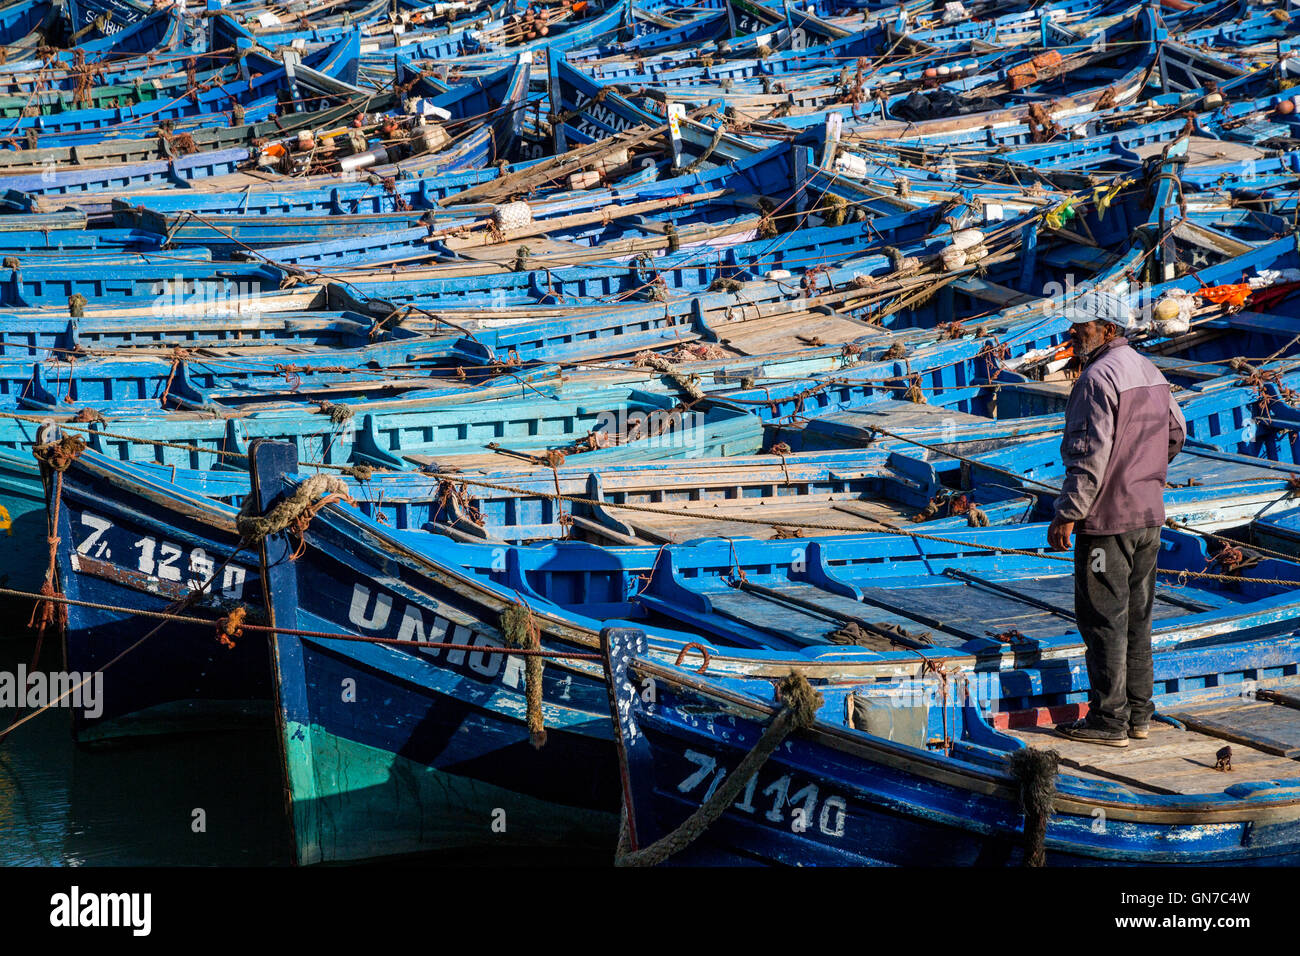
x=293, y=513
x=57, y=456
x=242, y=624
x=799, y=704
x=1035, y=772
x=520, y=630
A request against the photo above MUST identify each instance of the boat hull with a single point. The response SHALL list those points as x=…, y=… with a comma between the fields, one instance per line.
x=834, y=796
x=387, y=754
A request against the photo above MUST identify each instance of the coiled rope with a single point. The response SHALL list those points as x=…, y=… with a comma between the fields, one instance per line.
x=293, y=513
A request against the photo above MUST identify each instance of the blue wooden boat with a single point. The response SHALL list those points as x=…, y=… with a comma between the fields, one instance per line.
x=96, y=19
x=115, y=152
x=55, y=186
x=605, y=22
x=491, y=102
x=978, y=86
x=900, y=773
x=157, y=33
x=325, y=26
x=1123, y=89
x=803, y=494
x=37, y=284
x=18, y=20
x=450, y=695
x=707, y=339
x=254, y=97
x=328, y=337
x=687, y=593
x=152, y=381
x=41, y=241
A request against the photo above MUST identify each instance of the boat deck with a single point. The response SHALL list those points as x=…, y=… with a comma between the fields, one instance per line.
x=715, y=518
x=775, y=333
x=1204, y=151
x=857, y=426
x=1264, y=736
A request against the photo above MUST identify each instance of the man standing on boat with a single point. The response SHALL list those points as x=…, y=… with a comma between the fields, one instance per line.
x=1122, y=428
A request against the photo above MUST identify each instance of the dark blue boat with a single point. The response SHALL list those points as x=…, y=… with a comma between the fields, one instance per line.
x=916, y=774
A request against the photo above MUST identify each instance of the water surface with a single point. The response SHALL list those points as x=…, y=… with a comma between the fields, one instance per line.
x=135, y=803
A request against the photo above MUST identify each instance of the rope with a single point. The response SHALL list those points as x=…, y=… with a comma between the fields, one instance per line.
x=1035, y=772
x=519, y=628
x=295, y=512
x=799, y=703
x=339, y=414
x=57, y=456
x=688, y=384
x=229, y=623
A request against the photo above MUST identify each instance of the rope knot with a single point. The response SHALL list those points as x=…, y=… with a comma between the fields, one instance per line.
x=1035, y=773
x=231, y=626
x=59, y=455
x=798, y=696
x=293, y=513
x=89, y=415
x=47, y=612
x=688, y=385
x=339, y=414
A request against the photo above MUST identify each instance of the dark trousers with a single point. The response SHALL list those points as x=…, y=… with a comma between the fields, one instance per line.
x=1114, y=587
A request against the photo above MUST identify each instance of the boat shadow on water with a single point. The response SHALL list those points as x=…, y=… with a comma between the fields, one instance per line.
x=204, y=800
x=214, y=799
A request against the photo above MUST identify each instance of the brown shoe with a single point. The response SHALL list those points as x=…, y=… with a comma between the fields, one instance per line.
x=1140, y=731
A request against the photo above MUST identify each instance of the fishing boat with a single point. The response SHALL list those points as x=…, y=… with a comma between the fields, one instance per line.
x=417, y=382
x=740, y=601
x=870, y=774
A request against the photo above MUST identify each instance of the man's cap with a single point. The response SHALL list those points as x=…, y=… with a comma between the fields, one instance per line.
x=1094, y=306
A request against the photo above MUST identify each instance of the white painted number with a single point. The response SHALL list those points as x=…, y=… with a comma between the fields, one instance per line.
x=706, y=765
x=802, y=804
x=97, y=527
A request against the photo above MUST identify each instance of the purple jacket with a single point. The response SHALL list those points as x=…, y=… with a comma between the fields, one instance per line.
x=1122, y=428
